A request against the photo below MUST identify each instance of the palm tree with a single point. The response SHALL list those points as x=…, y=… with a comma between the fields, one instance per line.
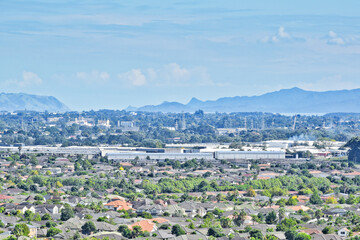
x=281, y=214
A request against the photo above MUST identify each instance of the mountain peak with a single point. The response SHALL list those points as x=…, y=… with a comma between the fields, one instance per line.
x=294, y=89
x=293, y=100
x=194, y=100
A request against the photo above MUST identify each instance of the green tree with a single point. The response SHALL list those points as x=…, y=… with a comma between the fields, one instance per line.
x=302, y=236
x=58, y=184
x=292, y=201
x=37, y=217
x=286, y=224
x=239, y=218
x=50, y=224
x=137, y=231
x=315, y=198
x=46, y=216
x=351, y=199
x=251, y=192
x=281, y=214
x=177, y=230
x=52, y=232
x=21, y=230
x=88, y=227
x=271, y=218
x=67, y=213
x=293, y=235
x=125, y=231
x=270, y=237
x=328, y=230
x=256, y=234
x=146, y=215
x=225, y=222
x=28, y=215
x=215, y=231
x=318, y=214
x=290, y=234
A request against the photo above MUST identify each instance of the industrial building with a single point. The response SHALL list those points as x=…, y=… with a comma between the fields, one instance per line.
x=219, y=155
x=249, y=155
x=128, y=154
x=124, y=156
x=87, y=152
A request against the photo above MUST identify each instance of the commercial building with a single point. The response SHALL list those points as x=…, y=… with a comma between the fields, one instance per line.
x=249, y=155
x=125, y=156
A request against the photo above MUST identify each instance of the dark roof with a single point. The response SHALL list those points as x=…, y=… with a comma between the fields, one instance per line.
x=326, y=237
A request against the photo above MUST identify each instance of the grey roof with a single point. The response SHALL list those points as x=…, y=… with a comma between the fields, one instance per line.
x=110, y=235
x=73, y=223
x=279, y=235
x=164, y=234
x=326, y=237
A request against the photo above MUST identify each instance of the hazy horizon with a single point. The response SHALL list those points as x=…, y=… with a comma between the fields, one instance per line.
x=186, y=101
x=110, y=54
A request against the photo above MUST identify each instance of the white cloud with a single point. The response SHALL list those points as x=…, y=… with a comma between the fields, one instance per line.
x=332, y=34
x=134, y=77
x=28, y=79
x=151, y=73
x=93, y=77
x=171, y=74
x=174, y=73
x=334, y=39
x=337, y=41
x=280, y=35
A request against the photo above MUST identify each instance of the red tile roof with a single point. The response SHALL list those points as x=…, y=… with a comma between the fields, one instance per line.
x=119, y=205
x=146, y=225
x=2, y=197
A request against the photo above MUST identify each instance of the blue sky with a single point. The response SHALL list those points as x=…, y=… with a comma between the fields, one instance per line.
x=111, y=54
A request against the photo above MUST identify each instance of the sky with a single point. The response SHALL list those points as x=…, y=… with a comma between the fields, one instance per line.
x=111, y=54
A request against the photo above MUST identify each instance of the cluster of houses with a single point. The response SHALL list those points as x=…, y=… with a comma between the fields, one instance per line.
x=42, y=208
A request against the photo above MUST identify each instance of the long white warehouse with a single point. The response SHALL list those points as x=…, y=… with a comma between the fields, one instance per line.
x=158, y=156
x=249, y=155
x=220, y=155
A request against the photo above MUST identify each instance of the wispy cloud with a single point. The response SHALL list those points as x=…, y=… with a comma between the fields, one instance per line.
x=334, y=39
x=133, y=78
x=171, y=74
x=93, y=77
x=28, y=79
x=281, y=36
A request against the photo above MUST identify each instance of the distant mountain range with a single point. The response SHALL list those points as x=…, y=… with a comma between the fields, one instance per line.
x=294, y=100
x=21, y=101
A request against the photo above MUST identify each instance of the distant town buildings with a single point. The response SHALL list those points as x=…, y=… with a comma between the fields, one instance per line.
x=81, y=121
x=127, y=126
x=104, y=123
